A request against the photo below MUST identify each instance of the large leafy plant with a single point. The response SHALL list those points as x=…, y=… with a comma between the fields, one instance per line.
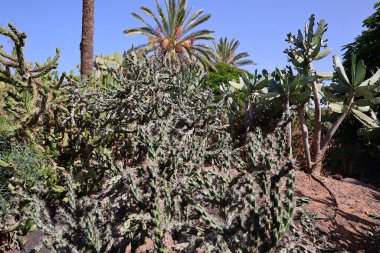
x=344, y=95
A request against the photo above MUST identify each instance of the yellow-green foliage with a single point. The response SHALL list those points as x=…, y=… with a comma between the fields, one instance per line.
x=27, y=90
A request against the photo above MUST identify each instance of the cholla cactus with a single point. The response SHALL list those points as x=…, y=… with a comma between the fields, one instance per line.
x=27, y=113
x=153, y=149
x=177, y=176
x=26, y=90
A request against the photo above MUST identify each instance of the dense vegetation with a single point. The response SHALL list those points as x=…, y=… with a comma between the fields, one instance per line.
x=352, y=155
x=191, y=158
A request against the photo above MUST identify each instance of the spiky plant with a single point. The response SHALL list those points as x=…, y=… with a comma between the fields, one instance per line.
x=172, y=35
x=27, y=90
x=189, y=190
x=226, y=53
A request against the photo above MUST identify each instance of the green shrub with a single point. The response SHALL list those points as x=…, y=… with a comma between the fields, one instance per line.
x=178, y=175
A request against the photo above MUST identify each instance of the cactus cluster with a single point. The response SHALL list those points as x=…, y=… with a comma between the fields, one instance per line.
x=27, y=89
x=144, y=154
x=29, y=101
x=177, y=178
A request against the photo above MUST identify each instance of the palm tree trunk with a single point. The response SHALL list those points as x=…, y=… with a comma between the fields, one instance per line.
x=87, y=42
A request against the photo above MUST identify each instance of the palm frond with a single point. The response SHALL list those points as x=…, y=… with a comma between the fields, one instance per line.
x=141, y=19
x=196, y=22
x=175, y=40
x=244, y=63
x=193, y=17
x=164, y=19
x=142, y=30
x=226, y=53
x=199, y=35
x=150, y=13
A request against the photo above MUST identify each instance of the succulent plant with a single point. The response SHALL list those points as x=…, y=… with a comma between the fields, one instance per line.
x=27, y=90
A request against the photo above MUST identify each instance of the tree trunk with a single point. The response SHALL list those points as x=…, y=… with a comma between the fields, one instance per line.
x=330, y=133
x=327, y=138
x=305, y=137
x=87, y=42
x=317, y=134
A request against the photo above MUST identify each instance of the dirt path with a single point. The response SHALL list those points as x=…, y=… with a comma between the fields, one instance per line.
x=353, y=229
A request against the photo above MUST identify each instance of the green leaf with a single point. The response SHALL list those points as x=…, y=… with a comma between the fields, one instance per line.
x=367, y=102
x=369, y=95
x=353, y=67
x=3, y=164
x=325, y=75
x=329, y=96
x=270, y=95
x=363, y=108
x=317, y=48
x=300, y=97
x=338, y=87
x=361, y=90
x=359, y=73
x=299, y=83
x=340, y=71
x=323, y=54
x=321, y=28
x=298, y=60
x=261, y=83
x=337, y=107
x=300, y=37
x=236, y=85
x=364, y=119
x=372, y=81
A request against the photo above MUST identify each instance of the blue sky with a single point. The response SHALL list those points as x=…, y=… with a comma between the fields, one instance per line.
x=260, y=25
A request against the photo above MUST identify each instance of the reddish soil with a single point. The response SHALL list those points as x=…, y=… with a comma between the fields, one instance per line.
x=353, y=229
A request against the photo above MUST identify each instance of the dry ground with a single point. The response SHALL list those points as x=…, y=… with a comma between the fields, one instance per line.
x=352, y=230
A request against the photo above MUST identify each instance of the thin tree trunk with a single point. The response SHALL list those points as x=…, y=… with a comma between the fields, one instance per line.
x=317, y=134
x=305, y=136
x=335, y=126
x=87, y=42
x=327, y=138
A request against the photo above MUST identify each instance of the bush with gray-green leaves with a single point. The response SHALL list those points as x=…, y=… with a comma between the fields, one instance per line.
x=105, y=163
x=177, y=179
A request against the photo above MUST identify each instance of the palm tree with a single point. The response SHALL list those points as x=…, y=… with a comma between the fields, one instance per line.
x=226, y=53
x=172, y=35
x=87, y=42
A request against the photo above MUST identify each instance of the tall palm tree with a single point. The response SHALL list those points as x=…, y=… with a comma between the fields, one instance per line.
x=87, y=42
x=226, y=53
x=172, y=35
